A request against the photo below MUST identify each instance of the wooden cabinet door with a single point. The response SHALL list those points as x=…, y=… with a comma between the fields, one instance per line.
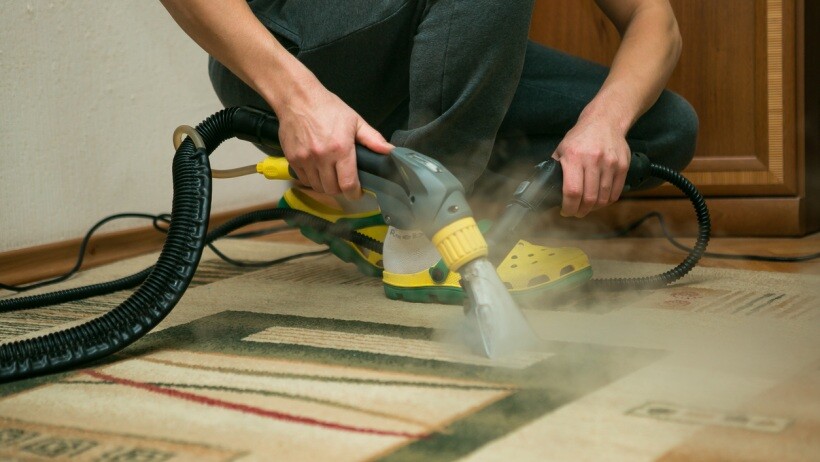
x=737, y=68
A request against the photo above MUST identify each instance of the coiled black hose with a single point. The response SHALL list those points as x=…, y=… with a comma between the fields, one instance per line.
x=704, y=230
x=162, y=285
x=295, y=217
x=161, y=290
x=78, y=293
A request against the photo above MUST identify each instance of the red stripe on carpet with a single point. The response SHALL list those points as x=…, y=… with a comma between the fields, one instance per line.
x=207, y=401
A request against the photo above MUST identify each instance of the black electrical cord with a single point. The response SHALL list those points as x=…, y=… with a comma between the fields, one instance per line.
x=672, y=240
x=156, y=220
x=752, y=257
x=264, y=264
x=165, y=218
x=296, y=217
x=80, y=256
x=259, y=232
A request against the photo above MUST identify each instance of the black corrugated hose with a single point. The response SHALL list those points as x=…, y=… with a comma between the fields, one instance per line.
x=163, y=284
x=704, y=230
x=161, y=290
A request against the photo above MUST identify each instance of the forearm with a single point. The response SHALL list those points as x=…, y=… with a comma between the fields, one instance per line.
x=317, y=130
x=649, y=51
x=594, y=154
x=229, y=31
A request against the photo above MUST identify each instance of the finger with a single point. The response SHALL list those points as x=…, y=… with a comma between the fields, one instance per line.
x=297, y=161
x=314, y=180
x=348, y=176
x=620, y=178
x=604, y=190
x=301, y=176
x=592, y=182
x=617, y=186
x=327, y=176
x=573, y=190
x=370, y=138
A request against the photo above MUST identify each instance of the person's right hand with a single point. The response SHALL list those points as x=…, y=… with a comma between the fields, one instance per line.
x=318, y=133
x=317, y=130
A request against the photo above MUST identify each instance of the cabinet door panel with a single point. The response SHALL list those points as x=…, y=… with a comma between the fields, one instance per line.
x=737, y=70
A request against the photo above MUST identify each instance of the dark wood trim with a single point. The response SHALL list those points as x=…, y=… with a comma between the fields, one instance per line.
x=791, y=154
x=49, y=260
x=809, y=97
x=713, y=190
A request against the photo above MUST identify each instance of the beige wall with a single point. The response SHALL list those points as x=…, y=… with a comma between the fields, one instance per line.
x=90, y=92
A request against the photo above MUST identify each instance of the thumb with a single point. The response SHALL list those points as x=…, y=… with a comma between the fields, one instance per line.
x=370, y=138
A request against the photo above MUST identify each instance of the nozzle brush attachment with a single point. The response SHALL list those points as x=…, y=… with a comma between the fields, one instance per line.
x=500, y=324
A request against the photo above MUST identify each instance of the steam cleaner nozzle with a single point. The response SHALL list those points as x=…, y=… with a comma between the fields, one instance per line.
x=502, y=327
x=500, y=324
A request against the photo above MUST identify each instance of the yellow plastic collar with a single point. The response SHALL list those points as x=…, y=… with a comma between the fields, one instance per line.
x=460, y=242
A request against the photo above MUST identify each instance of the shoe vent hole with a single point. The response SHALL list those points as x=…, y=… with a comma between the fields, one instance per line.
x=552, y=255
x=514, y=257
x=531, y=255
x=567, y=269
x=513, y=266
x=542, y=279
x=534, y=262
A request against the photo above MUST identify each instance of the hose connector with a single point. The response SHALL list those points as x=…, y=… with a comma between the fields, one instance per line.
x=460, y=242
x=275, y=168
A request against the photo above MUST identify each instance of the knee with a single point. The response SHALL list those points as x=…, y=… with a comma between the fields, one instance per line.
x=230, y=90
x=681, y=129
x=667, y=133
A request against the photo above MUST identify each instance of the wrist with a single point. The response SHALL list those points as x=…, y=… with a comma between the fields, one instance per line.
x=283, y=81
x=611, y=111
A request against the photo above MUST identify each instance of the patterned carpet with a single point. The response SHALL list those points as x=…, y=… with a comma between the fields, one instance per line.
x=308, y=361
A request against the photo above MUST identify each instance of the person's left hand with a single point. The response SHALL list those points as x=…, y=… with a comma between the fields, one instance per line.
x=595, y=158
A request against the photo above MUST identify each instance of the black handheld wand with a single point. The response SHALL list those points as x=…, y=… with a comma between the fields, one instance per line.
x=543, y=191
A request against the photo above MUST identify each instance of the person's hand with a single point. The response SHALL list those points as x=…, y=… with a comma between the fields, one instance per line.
x=318, y=132
x=594, y=157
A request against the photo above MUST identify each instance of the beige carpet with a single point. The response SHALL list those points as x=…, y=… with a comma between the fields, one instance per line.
x=308, y=361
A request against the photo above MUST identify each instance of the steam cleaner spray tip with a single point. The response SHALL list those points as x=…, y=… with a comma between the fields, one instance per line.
x=501, y=326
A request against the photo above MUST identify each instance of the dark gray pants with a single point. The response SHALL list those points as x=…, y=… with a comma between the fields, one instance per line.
x=456, y=80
